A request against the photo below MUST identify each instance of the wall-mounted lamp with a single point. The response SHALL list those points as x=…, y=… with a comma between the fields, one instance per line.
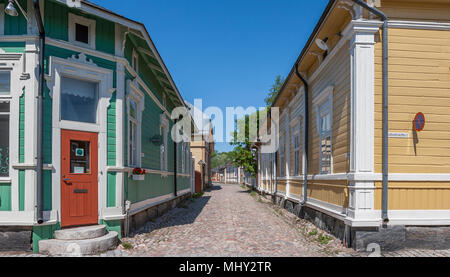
x=11, y=9
x=322, y=44
x=156, y=139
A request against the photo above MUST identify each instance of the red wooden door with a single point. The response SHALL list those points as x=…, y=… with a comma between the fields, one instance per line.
x=79, y=178
x=198, y=182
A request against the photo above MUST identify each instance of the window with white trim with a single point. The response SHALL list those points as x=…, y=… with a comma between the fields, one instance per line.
x=296, y=149
x=282, y=157
x=5, y=98
x=79, y=100
x=133, y=134
x=135, y=108
x=325, y=137
x=82, y=31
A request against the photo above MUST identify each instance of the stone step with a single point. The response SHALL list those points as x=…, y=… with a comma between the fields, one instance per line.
x=77, y=248
x=81, y=233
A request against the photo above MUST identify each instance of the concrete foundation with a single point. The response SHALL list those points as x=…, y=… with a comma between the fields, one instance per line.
x=390, y=238
x=139, y=220
x=15, y=238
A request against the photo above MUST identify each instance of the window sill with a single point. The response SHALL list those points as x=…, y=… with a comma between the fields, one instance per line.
x=5, y=180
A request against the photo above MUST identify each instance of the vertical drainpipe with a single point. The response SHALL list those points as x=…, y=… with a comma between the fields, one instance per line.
x=385, y=154
x=175, y=165
x=305, y=137
x=39, y=118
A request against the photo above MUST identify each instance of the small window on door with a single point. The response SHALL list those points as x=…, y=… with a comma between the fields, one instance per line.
x=80, y=157
x=82, y=33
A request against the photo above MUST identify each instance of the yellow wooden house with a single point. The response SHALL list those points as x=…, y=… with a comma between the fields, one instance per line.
x=372, y=164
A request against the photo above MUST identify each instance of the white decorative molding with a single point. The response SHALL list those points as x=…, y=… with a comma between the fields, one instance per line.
x=82, y=58
x=59, y=68
x=422, y=25
x=355, y=11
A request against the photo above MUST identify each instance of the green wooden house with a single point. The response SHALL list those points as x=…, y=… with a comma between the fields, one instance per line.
x=107, y=103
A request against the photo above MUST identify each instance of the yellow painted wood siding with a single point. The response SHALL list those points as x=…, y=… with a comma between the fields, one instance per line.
x=419, y=82
x=281, y=186
x=415, y=196
x=337, y=74
x=296, y=188
x=333, y=192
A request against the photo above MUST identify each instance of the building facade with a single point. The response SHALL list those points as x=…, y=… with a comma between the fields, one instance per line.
x=339, y=151
x=107, y=104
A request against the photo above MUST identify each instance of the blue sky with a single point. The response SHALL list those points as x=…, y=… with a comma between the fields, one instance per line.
x=226, y=52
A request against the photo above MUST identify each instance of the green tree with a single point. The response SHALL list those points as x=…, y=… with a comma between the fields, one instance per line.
x=247, y=132
x=220, y=159
x=274, y=90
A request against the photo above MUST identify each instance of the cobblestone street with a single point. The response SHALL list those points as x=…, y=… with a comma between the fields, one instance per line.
x=226, y=221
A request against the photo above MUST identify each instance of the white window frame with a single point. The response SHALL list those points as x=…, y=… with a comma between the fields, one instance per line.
x=282, y=156
x=7, y=98
x=79, y=67
x=296, y=132
x=164, y=132
x=324, y=107
x=90, y=23
x=138, y=97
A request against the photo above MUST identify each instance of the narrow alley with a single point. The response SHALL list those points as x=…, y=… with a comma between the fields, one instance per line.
x=225, y=221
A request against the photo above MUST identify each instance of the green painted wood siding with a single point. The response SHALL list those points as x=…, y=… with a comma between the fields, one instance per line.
x=111, y=131
x=105, y=36
x=15, y=25
x=21, y=190
x=5, y=197
x=22, y=151
x=56, y=21
x=149, y=128
x=43, y=233
x=153, y=186
x=13, y=47
x=22, y=127
x=111, y=190
x=47, y=125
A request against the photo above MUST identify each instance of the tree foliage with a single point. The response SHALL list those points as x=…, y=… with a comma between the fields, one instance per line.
x=220, y=159
x=274, y=90
x=247, y=132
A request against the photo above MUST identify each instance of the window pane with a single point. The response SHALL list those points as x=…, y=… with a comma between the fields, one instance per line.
x=80, y=157
x=326, y=155
x=5, y=83
x=4, y=107
x=79, y=100
x=132, y=108
x=82, y=33
x=4, y=145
